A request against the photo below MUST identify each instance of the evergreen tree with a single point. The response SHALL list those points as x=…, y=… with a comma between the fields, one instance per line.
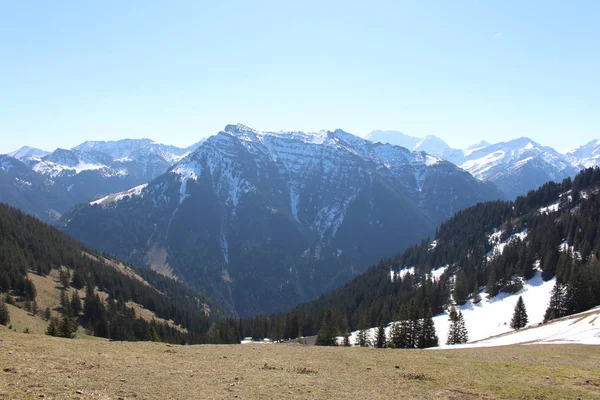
x=457, y=334
x=47, y=314
x=396, y=339
x=347, y=338
x=428, y=336
x=328, y=332
x=67, y=327
x=519, y=319
x=152, y=335
x=463, y=335
x=4, y=314
x=491, y=282
x=380, y=338
x=34, y=307
x=557, y=307
x=52, y=328
x=414, y=325
x=363, y=336
x=65, y=278
x=75, y=304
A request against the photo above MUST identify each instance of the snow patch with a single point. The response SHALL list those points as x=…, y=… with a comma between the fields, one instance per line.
x=111, y=198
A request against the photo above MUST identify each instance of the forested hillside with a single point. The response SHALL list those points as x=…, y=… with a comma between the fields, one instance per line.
x=29, y=246
x=494, y=245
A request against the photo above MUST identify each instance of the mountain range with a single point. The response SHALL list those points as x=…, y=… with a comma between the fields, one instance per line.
x=515, y=166
x=46, y=184
x=263, y=220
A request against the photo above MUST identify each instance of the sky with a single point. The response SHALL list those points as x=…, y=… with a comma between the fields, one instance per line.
x=179, y=71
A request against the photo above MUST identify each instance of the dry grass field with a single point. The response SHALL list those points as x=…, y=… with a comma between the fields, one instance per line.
x=37, y=366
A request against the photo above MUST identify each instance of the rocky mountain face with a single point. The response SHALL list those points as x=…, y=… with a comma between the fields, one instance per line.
x=262, y=220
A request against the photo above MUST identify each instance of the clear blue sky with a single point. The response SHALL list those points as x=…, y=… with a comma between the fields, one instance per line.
x=181, y=70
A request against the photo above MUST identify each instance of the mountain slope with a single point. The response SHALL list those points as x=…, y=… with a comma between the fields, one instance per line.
x=30, y=191
x=33, y=255
x=264, y=220
x=494, y=248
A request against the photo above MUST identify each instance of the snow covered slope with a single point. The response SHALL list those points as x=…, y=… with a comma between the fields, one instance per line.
x=491, y=317
x=582, y=328
x=488, y=322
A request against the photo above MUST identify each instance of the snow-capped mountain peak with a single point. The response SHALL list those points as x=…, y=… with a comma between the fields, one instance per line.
x=28, y=152
x=432, y=145
x=585, y=156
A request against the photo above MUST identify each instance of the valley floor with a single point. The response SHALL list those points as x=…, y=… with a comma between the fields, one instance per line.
x=38, y=366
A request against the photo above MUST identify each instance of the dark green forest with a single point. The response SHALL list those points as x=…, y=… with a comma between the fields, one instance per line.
x=462, y=243
x=29, y=245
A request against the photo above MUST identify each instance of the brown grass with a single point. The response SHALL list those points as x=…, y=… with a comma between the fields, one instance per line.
x=35, y=365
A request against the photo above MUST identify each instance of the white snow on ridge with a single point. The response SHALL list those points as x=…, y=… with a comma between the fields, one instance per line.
x=437, y=273
x=111, y=198
x=499, y=247
x=401, y=273
x=54, y=169
x=550, y=209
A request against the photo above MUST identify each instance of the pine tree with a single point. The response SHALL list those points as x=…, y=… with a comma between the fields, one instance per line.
x=34, y=307
x=347, y=338
x=463, y=335
x=52, y=328
x=47, y=314
x=557, y=306
x=396, y=338
x=428, y=336
x=457, y=334
x=328, y=332
x=67, y=327
x=363, y=336
x=414, y=325
x=152, y=335
x=381, y=340
x=491, y=282
x=4, y=314
x=519, y=319
x=75, y=304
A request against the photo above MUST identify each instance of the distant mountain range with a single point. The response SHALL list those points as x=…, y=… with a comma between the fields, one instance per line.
x=515, y=166
x=263, y=220
x=47, y=184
